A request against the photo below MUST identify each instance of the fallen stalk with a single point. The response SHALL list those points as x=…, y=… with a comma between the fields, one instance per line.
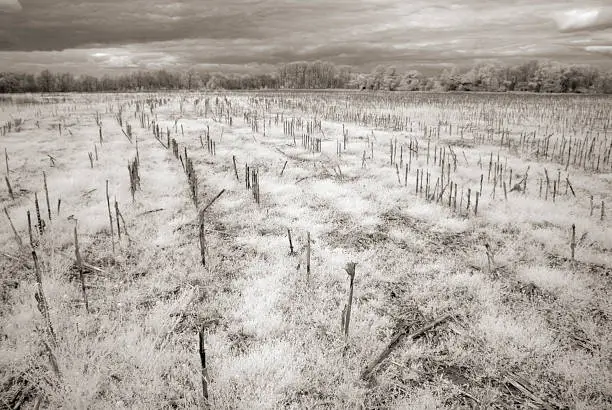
x=369, y=370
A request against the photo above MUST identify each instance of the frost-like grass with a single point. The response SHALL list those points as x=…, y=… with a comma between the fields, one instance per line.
x=273, y=334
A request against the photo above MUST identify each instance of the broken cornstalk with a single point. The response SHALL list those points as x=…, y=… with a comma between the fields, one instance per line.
x=202, y=351
x=79, y=263
x=369, y=370
x=346, y=316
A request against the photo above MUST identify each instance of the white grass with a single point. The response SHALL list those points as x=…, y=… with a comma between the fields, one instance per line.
x=272, y=334
x=567, y=285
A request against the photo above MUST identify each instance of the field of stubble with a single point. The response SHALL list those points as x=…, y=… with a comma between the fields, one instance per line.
x=323, y=249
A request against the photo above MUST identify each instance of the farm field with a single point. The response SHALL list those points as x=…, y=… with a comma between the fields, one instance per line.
x=324, y=249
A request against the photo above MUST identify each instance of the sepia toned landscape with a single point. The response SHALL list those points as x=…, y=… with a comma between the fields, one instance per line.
x=321, y=204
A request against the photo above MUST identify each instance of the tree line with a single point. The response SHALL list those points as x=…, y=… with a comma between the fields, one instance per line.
x=531, y=76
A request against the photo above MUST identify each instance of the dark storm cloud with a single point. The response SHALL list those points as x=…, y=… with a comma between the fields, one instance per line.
x=114, y=35
x=9, y=6
x=61, y=24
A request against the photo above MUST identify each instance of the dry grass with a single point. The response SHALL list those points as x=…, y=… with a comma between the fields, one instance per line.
x=530, y=327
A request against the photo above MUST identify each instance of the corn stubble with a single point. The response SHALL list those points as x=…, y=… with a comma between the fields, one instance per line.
x=386, y=349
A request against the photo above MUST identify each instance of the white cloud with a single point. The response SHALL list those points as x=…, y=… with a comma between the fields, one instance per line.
x=135, y=56
x=121, y=62
x=600, y=49
x=583, y=19
x=576, y=19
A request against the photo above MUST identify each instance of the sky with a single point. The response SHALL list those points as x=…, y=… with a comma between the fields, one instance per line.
x=111, y=36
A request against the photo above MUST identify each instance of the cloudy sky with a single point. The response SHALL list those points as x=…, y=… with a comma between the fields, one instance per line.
x=121, y=35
